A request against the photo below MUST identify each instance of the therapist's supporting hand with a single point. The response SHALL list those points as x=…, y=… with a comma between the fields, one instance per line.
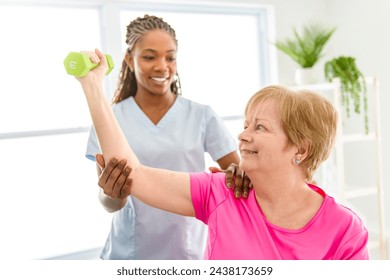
x=114, y=178
x=237, y=178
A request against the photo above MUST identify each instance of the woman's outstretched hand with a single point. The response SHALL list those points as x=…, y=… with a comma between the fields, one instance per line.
x=98, y=73
x=237, y=178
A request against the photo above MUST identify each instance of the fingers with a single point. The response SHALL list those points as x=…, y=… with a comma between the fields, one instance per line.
x=120, y=183
x=102, y=58
x=214, y=169
x=235, y=176
x=246, y=186
x=98, y=58
x=238, y=183
x=113, y=177
x=230, y=174
x=94, y=57
x=106, y=172
x=100, y=161
x=126, y=189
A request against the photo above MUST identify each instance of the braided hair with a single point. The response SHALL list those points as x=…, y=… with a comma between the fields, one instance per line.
x=127, y=83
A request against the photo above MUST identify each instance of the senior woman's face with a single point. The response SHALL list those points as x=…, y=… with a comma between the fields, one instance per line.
x=263, y=143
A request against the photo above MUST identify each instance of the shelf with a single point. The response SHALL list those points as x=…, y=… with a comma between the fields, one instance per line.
x=315, y=87
x=350, y=194
x=327, y=86
x=348, y=138
x=373, y=244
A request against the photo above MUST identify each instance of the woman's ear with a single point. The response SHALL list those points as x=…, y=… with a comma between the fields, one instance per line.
x=303, y=150
x=129, y=61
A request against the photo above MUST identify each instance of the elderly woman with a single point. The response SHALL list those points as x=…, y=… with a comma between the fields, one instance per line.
x=286, y=136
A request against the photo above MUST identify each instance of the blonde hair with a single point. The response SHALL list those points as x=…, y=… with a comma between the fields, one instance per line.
x=306, y=118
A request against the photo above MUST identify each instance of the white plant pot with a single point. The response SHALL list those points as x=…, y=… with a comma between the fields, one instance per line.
x=304, y=76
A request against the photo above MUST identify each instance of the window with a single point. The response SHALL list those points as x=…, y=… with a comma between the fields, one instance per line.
x=36, y=87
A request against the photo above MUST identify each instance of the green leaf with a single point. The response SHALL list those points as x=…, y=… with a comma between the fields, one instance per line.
x=353, y=84
x=306, y=48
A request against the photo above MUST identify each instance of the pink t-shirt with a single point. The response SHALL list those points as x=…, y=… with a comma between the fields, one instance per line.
x=239, y=230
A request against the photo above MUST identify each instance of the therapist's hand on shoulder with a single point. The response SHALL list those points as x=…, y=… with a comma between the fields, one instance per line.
x=237, y=179
x=114, y=178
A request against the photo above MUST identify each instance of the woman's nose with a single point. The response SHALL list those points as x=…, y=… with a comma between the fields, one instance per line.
x=161, y=65
x=243, y=136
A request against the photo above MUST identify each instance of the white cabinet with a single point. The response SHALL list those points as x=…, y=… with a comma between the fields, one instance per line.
x=353, y=172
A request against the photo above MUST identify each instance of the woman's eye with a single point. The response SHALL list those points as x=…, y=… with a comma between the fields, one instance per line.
x=171, y=59
x=260, y=127
x=147, y=57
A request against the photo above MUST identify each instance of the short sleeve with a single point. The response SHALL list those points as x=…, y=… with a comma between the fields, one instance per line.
x=355, y=248
x=219, y=141
x=208, y=191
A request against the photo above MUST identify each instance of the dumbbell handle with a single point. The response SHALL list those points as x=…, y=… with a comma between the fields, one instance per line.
x=79, y=64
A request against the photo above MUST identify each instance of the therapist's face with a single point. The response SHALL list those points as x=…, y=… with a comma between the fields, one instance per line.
x=153, y=60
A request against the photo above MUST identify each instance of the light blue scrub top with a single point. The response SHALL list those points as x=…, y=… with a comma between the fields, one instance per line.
x=178, y=142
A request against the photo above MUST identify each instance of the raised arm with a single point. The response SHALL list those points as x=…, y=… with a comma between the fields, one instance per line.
x=167, y=190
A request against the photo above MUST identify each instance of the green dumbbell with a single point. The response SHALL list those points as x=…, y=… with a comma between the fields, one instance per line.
x=78, y=64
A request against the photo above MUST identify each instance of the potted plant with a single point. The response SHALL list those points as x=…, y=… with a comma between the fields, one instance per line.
x=352, y=82
x=306, y=48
